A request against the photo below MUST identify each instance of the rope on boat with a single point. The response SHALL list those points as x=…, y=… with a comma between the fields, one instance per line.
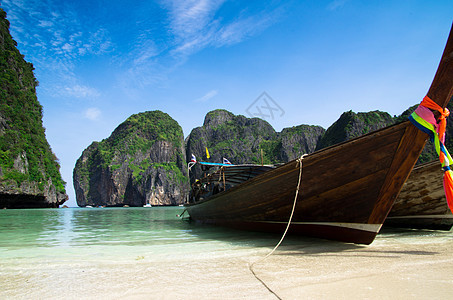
x=298, y=162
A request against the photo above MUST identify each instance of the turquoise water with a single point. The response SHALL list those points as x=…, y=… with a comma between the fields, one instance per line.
x=132, y=253
x=77, y=227
x=34, y=230
x=79, y=231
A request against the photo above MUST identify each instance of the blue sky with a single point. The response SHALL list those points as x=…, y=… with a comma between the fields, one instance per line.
x=98, y=62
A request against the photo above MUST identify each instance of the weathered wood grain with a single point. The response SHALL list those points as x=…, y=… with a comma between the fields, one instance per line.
x=422, y=202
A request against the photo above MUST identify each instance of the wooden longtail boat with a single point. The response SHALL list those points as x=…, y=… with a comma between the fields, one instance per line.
x=346, y=190
x=421, y=202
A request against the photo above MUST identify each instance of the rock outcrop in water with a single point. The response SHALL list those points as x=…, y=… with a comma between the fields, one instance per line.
x=29, y=171
x=143, y=161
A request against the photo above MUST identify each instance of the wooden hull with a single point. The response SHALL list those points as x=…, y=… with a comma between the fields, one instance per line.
x=346, y=190
x=422, y=203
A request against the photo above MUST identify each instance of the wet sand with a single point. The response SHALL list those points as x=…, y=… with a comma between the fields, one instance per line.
x=392, y=267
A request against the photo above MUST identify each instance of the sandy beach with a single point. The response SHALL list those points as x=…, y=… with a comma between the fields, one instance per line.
x=392, y=267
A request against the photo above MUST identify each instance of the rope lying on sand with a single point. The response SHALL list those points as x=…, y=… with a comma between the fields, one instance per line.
x=299, y=162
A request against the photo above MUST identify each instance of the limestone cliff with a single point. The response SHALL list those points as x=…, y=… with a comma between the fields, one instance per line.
x=299, y=140
x=143, y=161
x=351, y=125
x=234, y=137
x=29, y=171
x=248, y=140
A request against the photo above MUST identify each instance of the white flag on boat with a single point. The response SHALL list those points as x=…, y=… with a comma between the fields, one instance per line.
x=194, y=159
x=226, y=161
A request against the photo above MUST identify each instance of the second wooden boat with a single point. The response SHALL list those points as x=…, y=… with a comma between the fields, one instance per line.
x=421, y=203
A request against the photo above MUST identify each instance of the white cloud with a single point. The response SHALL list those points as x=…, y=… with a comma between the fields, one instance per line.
x=242, y=29
x=191, y=17
x=81, y=91
x=209, y=95
x=100, y=42
x=195, y=25
x=334, y=5
x=192, y=25
x=67, y=47
x=54, y=35
x=92, y=113
x=44, y=23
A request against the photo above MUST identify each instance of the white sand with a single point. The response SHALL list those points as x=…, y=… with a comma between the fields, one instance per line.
x=390, y=268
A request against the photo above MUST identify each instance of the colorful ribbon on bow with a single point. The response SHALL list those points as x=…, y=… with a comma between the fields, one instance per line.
x=423, y=118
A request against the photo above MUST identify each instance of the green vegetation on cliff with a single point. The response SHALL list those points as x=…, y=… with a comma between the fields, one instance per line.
x=271, y=152
x=248, y=140
x=351, y=125
x=22, y=135
x=133, y=138
x=237, y=138
x=142, y=160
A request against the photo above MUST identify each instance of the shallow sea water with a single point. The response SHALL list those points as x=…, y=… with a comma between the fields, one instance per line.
x=150, y=253
x=107, y=234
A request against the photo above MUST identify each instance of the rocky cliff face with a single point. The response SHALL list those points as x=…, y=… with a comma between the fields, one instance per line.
x=299, y=140
x=241, y=139
x=248, y=140
x=29, y=171
x=234, y=137
x=351, y=125
x=143, y=161
x=237, y=138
